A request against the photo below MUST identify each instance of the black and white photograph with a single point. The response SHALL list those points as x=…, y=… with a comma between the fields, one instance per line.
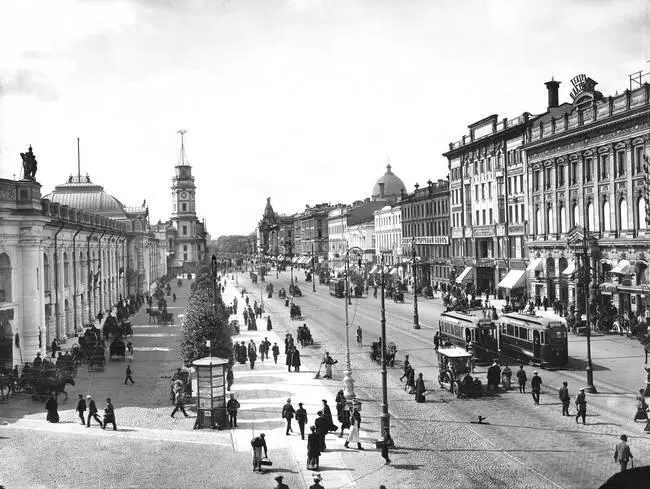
x=324, y=244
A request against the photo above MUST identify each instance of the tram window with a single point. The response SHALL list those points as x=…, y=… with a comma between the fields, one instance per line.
x=558, y=333
x=523, y=333
x=542, y=338
x=511, y=330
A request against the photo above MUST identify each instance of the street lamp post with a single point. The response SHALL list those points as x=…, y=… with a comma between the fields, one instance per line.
x=348, y=381
x=416, y=318
x=214, y=296
x=261, y=289
x=313, y=269
x=590, y=372
x=385, y=415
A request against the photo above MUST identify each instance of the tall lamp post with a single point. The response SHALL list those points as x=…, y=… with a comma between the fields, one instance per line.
x=313, y=269
x=385, y=415
x=214, y=295
x=348, y=381
x=416, y=317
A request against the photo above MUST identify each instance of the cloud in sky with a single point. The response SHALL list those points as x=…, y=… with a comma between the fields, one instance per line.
x=299, y=100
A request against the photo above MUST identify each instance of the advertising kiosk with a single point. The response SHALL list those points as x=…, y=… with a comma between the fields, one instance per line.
x=211, y=392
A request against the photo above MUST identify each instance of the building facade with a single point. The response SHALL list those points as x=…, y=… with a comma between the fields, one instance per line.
x=486, y=244
x=586, y=176
x=425, y=225
x=314, y=233
x=388, y=234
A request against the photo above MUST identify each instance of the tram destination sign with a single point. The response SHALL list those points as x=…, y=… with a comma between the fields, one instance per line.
x=426, y=240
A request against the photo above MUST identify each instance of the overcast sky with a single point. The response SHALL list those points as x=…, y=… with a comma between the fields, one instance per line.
x=298, y=100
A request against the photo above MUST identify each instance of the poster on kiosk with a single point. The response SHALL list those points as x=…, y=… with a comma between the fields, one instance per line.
x=211, y=392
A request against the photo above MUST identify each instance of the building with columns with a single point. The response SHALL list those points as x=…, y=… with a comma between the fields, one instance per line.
x=64, y=258
x=585, y=173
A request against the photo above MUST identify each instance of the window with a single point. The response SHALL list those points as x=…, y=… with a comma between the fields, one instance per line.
x=489, y=163
x=588, y=169
x=5, y=278
x=523, y=333
x=638, y=159
x=185, y=256
x=476, y=168
x=490, y=216
x=522, y=212
x=560, y=176
x=482, y=167
x=641, y=216
x=489, y=186
x=538, y=221
x=621, y=160
x=547, y=178
x=590, y=216
x=510, y=213
x=521, y=183
x=66, y=270
x=477, y=218
x=483, y=217
x=516, y=213
x=184, y=230
x=184, y=207
x=576, y=215
x=606, y=224
x=536, y=177
x=170, y=243
x=46, y=274
x=482, y=191
x=604, y=166
x=574, y=172
x=622, y=216
x=562, y=222
x=184, y=247
x=550, y=225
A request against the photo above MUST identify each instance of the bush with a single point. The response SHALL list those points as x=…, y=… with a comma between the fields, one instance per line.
x=202, y=324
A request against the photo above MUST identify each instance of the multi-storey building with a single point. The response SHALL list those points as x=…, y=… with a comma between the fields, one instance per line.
x=388, y=234
x=337, y=230
x=187, y=235
x=486, y=189
x=585, y=173
x=425, y=224
x=315, y=233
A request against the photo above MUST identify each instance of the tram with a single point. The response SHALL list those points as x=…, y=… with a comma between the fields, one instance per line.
x=532, y=338
x=471, y=332
x=337, y=287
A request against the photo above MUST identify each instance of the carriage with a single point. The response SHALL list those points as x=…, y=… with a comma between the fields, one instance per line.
x=398, y=296
x=282, y=294
x=455, y=365
x=391, y=352
x=295, y=312
x=304, y=336
x=166, y=317
x=117, y=350
x=97, y=359
x=179, y=283
x=295, y=291
x=126, y=329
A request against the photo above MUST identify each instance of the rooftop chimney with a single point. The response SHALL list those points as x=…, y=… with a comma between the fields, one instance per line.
x=552, y=88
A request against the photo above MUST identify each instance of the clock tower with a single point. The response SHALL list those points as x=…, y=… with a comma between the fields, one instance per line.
x=187, y=243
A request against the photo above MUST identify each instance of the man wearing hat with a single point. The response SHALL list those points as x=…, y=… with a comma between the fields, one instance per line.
x=536, y=386
x=316, y=484
x=92, y=411
x=258, y=443
x=622, y=453
x=581, y=406
x=280, y=484
x=301, y=418
x=231, y=408
x=287, y=413
x=38, y=361
x=565, y=398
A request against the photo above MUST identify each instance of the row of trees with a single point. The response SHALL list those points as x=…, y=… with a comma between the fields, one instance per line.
x=201, y=323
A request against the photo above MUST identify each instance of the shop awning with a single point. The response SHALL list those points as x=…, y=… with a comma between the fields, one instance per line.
x=570, y=269
x=374, y=269
x=535, y=265
x=464, y=276
x=623, y=267
x=394, y=271
x=513, y=279
x=305, y=260
x=295, y=259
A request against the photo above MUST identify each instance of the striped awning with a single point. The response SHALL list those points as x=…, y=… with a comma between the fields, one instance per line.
x=535, y=265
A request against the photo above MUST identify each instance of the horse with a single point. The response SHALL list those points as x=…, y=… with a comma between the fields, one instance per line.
x=54, y=385
x=7, y=382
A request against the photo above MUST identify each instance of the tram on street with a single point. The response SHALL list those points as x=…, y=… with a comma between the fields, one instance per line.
x=534, y=339
x=470, y=332
x=337, y=287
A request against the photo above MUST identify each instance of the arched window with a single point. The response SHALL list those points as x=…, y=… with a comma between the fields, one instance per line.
x=550, y=225
x=576, y=214
x=46, y=274
x=641, y=214
x=66, y=270
x=538, y=220
x=606, y=224
x=590, y=216
x=562, y=220
x=622, y=215
x=81, y=268
x=5, y=278
x=550, y=267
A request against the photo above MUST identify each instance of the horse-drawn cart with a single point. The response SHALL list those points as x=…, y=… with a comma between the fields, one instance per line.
x=97, y=359
x=117, y=350
x=391, y=352
x=295, y=312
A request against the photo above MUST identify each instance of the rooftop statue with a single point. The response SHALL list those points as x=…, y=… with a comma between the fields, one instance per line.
x=29, y=164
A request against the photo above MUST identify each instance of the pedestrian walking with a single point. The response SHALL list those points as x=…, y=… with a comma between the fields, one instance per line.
x=420, y=389
x=506, y=377
x=174, y=296
x=52, y=407
x=521, y=379
x=280, y=484
x=287, y=414
x=128, y=375
x=252, y=356
x=436, y=340
x=301, y=418
x=410, y=381
x=313, y=449
x=81, y=409
x=641, y=406
x=344, y=419
x=385, y=442
x=565, y=398
x=231, y=408
x=322, y=427
x=536, y=386
x=230, y=378
x=581, y=406
x=179, y=404
x=328, y=361
x=622, y=453
x=353, y=436
x=493, y=377
x=276, y=351
x=259, y=444
x=407, y=365
x=269, y=325
x=92, y=411
x=266, y=344
x=109, y=415
x=288, y=362
x=327, y=412
x=316, y=484
x=359, y=334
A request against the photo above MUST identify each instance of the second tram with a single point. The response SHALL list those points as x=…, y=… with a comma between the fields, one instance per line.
x=470, y=332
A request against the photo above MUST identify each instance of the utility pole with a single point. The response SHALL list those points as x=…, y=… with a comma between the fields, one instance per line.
x=385, y=415
x=313, y=268
x=590, y=372
x=416, y=318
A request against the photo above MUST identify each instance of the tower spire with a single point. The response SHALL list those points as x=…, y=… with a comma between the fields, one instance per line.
x=78, y=163
x=182, y=160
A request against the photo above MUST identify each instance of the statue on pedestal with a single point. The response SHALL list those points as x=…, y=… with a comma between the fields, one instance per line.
x=29, y=164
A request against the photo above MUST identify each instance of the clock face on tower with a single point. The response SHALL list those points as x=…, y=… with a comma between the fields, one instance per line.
x=183, y=195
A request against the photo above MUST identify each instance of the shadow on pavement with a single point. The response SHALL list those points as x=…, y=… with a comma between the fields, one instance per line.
x=580, y=365
x=407, y=466
x=635, y=478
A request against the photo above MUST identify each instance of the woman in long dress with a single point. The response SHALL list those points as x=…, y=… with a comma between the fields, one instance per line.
x=52, y=410
x=353, y=436
x=419, y=389
x=269, y=325
x=641, y=407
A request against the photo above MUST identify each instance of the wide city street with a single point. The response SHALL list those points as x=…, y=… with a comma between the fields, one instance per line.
x=437, y=443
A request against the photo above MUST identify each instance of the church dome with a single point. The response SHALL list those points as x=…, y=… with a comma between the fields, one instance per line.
x=392, y=186
x=81, y=193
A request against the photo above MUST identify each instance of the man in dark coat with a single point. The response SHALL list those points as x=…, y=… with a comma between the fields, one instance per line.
x=287, y=414
x=407, y=365
x=295, y=360
x=269, y=325
x=276, y=351
x=92, y=412
x=313, y=449
x=231, y=408
x=493, y=377
x=301, y=418
x=581, y=405
x=565, y=398
x=420, y=389
x=521, y=379
x=81, y=408
x=252, y=356
x=322, y=427
x=52, y=410
x=327, y=412
x=436, y=340
x=230, y=378
x=109, y=415
x=536, y=387
x=289, y=361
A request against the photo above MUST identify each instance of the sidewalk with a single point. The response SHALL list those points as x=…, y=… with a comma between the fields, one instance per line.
x=263, y=391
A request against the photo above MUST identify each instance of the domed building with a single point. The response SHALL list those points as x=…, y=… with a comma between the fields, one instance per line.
x=80, y=193
x=389, y=187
